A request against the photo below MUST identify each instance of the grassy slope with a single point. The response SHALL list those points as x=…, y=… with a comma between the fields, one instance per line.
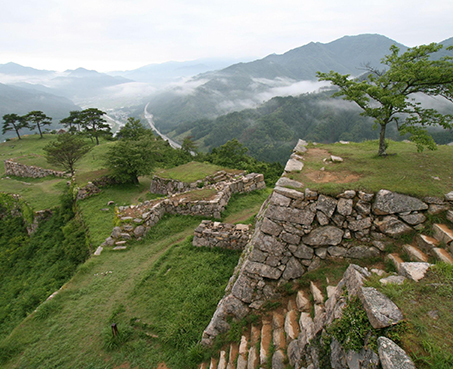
x=161, y=286
x=407, y=172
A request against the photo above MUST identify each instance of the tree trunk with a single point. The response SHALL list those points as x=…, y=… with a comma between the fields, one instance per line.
x=17, y=133
x=382, y=145
x=39, y=129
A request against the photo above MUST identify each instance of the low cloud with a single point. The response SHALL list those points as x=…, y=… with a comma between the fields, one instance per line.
x=293, y=89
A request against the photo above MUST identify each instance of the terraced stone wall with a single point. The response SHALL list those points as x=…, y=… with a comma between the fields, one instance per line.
x=298, y=228
x=21, y=170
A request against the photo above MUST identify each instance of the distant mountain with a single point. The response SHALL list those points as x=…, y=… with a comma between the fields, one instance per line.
x=18, y=100
x=169, y=72
x=245, y=85
x=14, y=69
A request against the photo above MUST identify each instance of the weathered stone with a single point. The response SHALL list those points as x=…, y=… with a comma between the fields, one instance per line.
x=302, y=301
x=379, y=245
x=291, y=325
x=363, y=208
x=414, y=270
x=354, y=278
x=363, y=359
x=317, y=294
x=433, y=200
x=262, y=270
x=109, y=241
x=387, y=202
x=437, y=209
x=293, y=270
x=381, y=311
x=362, y=252
x=289, y=193
x=257, y=255
x=392, y=356
x=278, y=360
x=393, y=227
x=307, y=328
x=449, y=196
x=299, y=216
x=315, y=264
x=360, y=225
x=336, y=159
x=290, y=238
x=393, y=279
x=344, y=206
x=450, y=215
x=415, y=254
x=270, y=227
x=413, y=219
x=139, y=231
x=294, y=353
x=286, y=182
x=243, y=289
x=310, y=195
x=280, y=200
x=98, y=251
x=293, y=165
x=269, y=244
x=337, y=355
x=348, y=194
x=442, y=233
x=301, y=251
x=321, y=252
x=327, y=205
x=324, y=236
x=337, y=251
x=322, y=218
x=116, y=232
x=366, y=197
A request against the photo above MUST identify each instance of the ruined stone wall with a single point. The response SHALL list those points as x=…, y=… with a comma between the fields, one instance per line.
x=21, y=170
x=136, y=220
x=298, y=228
x=222, y=235
x=165, y=186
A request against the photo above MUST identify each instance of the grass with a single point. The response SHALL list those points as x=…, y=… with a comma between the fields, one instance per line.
x=404, y=170
x=428, y=340
x=163, y=297
x=192, y=171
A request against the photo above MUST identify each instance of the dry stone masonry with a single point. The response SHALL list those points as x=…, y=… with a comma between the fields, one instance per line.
x=136, y=220
x=297, y=229
x=21, y=170
x=222, y=235
x=165, y=186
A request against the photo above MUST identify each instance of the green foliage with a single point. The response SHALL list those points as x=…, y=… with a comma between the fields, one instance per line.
x=132, y=130
x=13, y=122
x=33, y=267
x=37, y=119
x=388, y=96
x=66, y=151
x=93, y=123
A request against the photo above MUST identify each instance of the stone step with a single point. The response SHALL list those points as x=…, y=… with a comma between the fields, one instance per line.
x=266, y=339
x=426, y=243
x=450, y=215
x=278, y=333
x=214, y=363
x=253, y=358
x=415, y=254
x=307, y=328
x=291, y=325
x=442, y=255
x=223, y=360
x=442, y=233
x=243, y=351
x=395, y=260
x=203, y=366
x=234, y=351
x=278, y=360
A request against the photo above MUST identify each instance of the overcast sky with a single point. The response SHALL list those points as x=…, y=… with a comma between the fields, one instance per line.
x=111, y=35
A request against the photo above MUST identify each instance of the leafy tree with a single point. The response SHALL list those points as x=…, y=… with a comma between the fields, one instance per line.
x=37, y=119
x=132, y=130
x=93, y=122
x=72, y=123
x=188, y=145
x=13, y=122
x=128, y=159
x=388, y=96
x=66, y=151
x=231, y=154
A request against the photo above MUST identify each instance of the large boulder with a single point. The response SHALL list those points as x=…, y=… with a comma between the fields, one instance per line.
x=387, y=202
x=381, y=311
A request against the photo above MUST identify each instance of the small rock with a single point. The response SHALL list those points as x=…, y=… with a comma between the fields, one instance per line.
x=433, y=314
x=393, y=279
x=414, y=270
x=336, y=159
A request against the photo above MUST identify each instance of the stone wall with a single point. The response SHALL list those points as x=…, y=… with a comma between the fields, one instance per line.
x=297, y=229
x=165, y=186
x=21, y=170
x=136, y=220
x=222, y=235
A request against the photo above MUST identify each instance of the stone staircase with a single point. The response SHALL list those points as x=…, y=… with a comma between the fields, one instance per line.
x=274, y=341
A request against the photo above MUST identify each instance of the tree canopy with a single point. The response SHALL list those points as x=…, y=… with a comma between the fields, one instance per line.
x=37, y=119
x=132, y=130
x=389, y=95
x=93, y=122
x=13, y=122
x=66, y=151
